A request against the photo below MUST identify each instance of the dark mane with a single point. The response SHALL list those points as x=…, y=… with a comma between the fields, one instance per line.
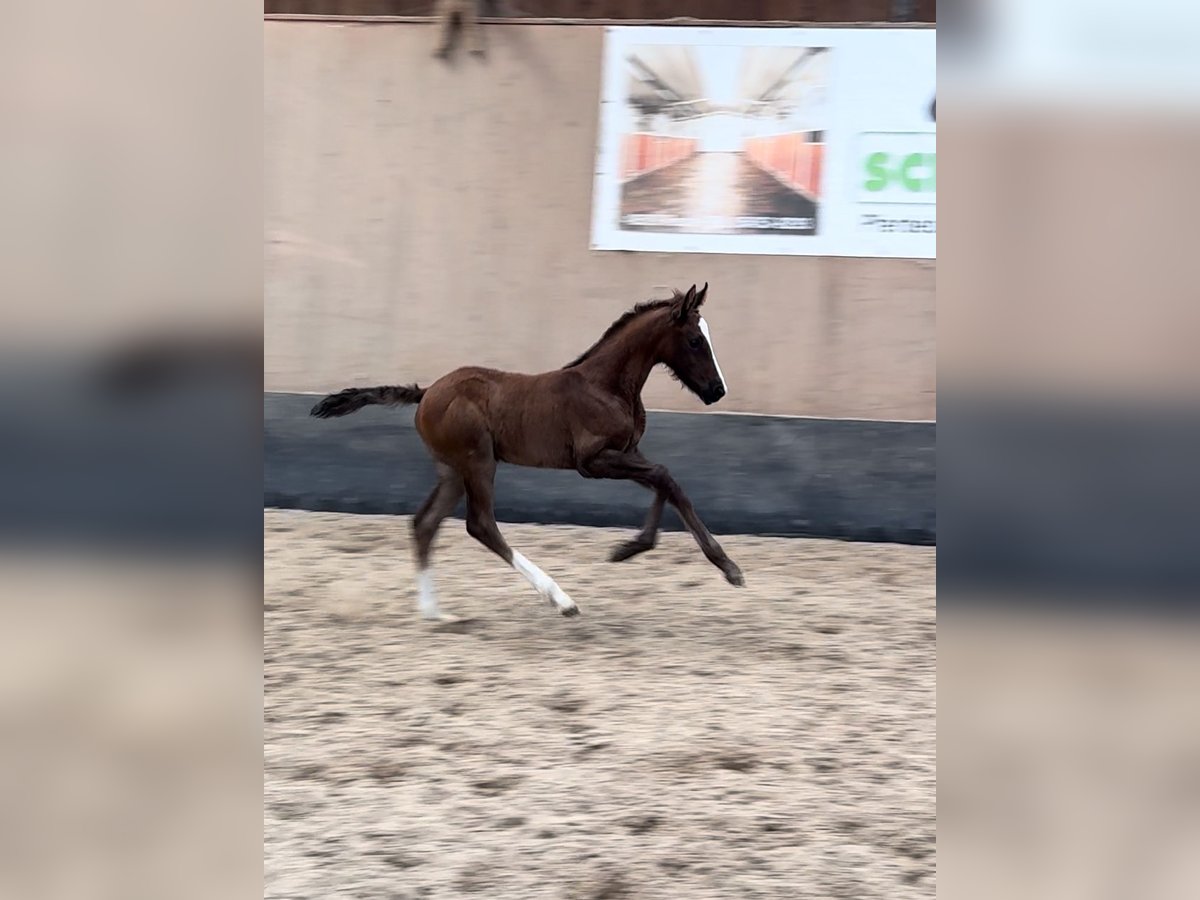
x=616, y=326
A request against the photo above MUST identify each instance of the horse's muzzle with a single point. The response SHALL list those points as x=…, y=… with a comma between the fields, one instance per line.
x=715, y=392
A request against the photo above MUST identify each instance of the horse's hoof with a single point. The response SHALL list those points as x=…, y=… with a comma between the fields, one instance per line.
x=570, y=611
x=735, y=577
x=624, y=551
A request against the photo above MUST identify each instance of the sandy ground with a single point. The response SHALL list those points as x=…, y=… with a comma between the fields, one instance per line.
x=680, y=739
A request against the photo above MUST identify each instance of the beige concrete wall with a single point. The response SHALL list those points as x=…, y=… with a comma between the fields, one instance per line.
x=421, y=217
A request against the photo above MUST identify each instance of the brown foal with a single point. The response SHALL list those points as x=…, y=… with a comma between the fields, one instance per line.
x=586, y=416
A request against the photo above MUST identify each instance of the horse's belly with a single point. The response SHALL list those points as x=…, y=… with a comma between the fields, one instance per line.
x=535, y=454
x=538, y=444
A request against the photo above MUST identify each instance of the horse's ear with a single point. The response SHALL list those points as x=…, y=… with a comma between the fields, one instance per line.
x=685, y=304
x=700, y=295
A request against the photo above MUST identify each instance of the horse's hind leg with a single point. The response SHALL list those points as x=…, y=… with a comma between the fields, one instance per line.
x=426, y=522
x=647, y=538
x=481, y=525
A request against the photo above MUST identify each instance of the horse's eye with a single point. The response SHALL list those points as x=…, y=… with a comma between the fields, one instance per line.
x=695, y=342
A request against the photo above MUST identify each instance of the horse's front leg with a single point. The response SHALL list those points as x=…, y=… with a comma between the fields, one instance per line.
x=647, y=538
x=632, y=466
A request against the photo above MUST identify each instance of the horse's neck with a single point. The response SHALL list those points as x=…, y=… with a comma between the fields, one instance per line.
x=624, y=363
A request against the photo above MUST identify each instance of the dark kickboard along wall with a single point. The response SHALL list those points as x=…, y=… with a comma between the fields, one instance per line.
x=850, y=479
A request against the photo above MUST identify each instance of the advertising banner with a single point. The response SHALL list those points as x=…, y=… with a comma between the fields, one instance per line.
x=802, y=141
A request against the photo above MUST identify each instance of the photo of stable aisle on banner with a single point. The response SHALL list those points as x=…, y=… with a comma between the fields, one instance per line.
x=792, y=141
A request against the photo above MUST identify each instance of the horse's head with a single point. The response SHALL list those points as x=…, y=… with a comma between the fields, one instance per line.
x=688, y=350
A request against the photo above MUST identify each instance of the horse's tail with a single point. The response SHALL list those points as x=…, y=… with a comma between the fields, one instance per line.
x=353, y=399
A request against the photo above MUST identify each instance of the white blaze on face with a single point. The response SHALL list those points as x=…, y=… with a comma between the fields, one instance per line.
x=712, y=350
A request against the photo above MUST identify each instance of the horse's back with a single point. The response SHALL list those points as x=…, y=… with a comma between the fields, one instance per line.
x=475, y=384
x=460, y=404
x=520, y=416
